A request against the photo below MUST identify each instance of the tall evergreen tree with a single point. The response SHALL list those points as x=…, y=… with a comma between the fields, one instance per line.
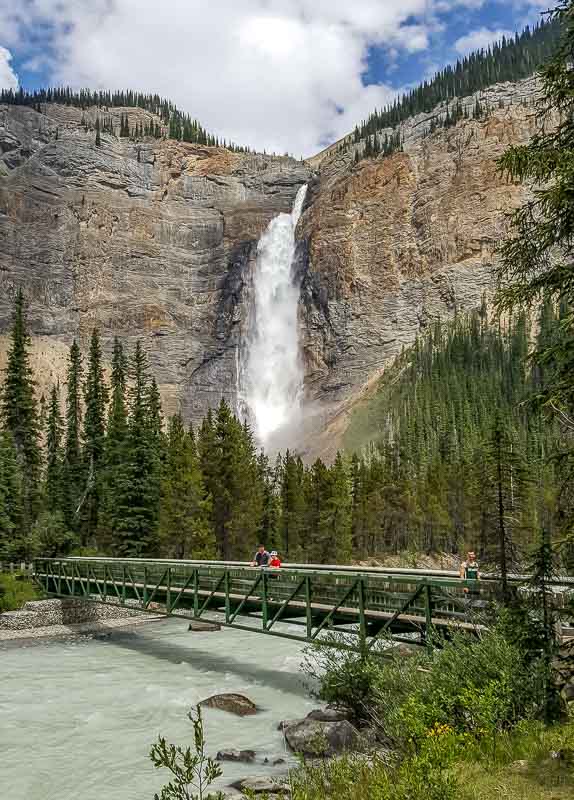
x=138, y=479
x=93, y=438
x=12, y=533
x=115, y=445
x=184, y=521
x=73, y=467
x=54, y=492
x=19, y=412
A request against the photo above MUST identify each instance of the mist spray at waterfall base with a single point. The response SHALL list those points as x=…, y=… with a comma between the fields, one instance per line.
x=271, y=371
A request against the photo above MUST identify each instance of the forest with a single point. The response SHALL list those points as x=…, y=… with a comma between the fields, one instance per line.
x=450, y=452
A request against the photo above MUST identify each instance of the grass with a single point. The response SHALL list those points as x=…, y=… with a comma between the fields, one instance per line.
x=15, y=590
x=524, y=767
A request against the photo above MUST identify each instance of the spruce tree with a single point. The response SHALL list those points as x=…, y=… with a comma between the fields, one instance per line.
x=138, y=477
x=93, y=438
x=115, y=445
x=12, y=534
x=19, y=412
x=184, y=520
x=53, y=483
x=73, y=466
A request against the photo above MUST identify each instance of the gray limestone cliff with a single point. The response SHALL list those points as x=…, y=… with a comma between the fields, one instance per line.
x=156, y=240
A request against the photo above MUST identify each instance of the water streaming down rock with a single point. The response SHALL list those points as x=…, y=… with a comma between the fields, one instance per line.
x=271, y=371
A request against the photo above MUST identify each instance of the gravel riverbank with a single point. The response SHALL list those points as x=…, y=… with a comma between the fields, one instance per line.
x=48, y=618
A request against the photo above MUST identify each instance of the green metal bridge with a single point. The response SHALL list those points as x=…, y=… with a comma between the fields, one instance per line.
x=301, y=602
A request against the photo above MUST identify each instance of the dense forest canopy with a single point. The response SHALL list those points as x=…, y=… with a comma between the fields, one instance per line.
x=450, y=426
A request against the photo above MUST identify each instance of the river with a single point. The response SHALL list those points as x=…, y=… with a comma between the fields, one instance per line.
x=78, y=717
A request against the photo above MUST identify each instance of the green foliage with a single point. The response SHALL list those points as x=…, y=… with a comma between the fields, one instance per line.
x=20, y=414
x=54, y=490
x=421, y=777
x=138, y=476
x=537, y=257
x=15, y=590
x=456, y=455
x=73, y=463
x=184, y=524
x=339, y=675
x=192, y=771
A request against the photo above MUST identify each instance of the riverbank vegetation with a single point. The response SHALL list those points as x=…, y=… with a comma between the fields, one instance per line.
x=15, y=590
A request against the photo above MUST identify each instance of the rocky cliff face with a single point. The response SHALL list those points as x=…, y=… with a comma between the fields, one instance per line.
x=156, y=240
x=392, y=244
x=149, y=240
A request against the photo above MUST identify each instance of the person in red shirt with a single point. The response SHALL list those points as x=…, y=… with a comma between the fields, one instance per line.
x=274, y=561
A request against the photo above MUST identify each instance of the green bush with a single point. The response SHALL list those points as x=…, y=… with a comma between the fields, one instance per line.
x=15, y=590
x=341, y=676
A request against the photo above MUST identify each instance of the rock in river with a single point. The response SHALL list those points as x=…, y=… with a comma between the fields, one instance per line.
x=198, y=626
x=313, y=737
x=260, y=785
x=234, y=703
x=245, y=756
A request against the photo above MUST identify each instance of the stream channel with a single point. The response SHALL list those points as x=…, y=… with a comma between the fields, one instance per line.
x=78, y=716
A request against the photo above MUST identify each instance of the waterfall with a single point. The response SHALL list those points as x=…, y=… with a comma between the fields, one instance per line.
x=271, y=372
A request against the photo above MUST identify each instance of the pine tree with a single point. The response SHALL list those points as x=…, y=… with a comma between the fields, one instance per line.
x=537, y=257
x=93, y=438
x=184, y=520
x=19, y=412
x=292, y=523
x=115, y=445
x=98, y=136
x=138, y=479
x=12, y=535
x=53, y=482
x=73, y=466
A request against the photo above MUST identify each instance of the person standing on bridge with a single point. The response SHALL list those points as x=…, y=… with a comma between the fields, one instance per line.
x=469, y=569
x=261, y=557
x=274, y=560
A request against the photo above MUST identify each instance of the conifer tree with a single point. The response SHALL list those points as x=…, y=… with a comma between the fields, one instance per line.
x=292, y=508
x=184, y=521
x=115, y=445
x=53, y=483
x=138, y=478
x=93, y=438
x=12, y=539
x=19, y=412
x=73, y=466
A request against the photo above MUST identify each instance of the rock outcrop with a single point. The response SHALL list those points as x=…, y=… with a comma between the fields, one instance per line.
x=392, y=244
x=233, y=703
x=149, y=240
x=156, y=240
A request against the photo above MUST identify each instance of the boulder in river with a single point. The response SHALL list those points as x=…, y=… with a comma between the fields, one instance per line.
x=199, y=626
x=261, y=785
x=244, y=756
x=316, y=738
x=234, y=703
x=330, y=714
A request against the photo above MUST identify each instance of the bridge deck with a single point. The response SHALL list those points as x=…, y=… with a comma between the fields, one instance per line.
x=366, y=605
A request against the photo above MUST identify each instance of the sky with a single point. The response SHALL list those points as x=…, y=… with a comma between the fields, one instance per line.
x=280, y=75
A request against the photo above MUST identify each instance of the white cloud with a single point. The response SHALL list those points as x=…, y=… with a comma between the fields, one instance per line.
x=479, y=39
x=8, y=78
x=279, y=74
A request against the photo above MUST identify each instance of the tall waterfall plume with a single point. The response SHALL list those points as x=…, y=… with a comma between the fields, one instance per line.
x=271, y=372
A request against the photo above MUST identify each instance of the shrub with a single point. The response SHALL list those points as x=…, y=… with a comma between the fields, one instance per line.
x=15, y=590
